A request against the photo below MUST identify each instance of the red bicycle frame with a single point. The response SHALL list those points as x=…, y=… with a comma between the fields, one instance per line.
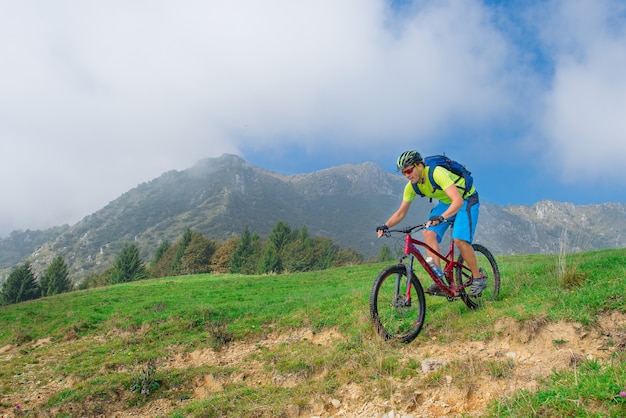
x=451, y=289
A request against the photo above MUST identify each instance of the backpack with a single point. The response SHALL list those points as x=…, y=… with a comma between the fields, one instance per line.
x=450, y=165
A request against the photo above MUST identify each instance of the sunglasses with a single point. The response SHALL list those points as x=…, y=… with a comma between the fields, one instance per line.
x=408, y=170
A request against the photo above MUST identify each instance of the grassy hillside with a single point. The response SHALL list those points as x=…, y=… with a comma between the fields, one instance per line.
x=554, y=344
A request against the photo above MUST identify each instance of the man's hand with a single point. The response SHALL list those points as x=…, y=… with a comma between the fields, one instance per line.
x=436, y=220
x=380, y=230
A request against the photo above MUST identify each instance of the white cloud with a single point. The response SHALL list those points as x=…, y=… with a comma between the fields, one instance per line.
x=98, y=97
x=585, y=122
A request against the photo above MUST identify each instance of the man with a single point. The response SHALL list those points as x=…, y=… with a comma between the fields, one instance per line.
x=454, y=204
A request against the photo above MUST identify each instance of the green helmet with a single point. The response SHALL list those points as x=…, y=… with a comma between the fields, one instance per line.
x=408, y=158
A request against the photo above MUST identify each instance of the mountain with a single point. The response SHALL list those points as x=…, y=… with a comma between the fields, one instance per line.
x=220, y=197
x=552, y=227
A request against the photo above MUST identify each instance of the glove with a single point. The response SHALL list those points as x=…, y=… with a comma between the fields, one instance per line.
x=383, y=228
x=436, y=219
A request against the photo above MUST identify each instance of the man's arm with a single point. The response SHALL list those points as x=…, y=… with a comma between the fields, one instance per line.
x=398, y=215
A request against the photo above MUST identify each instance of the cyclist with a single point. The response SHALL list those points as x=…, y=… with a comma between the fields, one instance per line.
x=452, y=206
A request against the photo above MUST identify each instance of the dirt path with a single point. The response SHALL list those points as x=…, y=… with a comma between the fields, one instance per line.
x=533, y=351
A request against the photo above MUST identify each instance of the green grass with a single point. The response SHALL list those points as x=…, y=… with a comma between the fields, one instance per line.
x=590, y=390
x=111, y=345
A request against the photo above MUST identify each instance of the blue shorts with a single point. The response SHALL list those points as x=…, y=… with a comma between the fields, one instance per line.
x=465, y=219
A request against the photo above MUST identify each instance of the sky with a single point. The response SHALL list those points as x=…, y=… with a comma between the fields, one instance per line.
x=97, y=97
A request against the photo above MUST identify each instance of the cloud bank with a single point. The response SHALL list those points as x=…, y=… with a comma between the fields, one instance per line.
x=99, y=97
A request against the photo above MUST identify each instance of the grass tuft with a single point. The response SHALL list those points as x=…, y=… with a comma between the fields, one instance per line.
x=22, y=336
x=146, y=381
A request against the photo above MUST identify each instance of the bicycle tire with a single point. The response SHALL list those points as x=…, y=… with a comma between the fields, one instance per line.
x=489, y=267
x=392, y=315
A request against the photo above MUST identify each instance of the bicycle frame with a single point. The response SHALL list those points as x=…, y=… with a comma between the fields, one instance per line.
x=412, y=252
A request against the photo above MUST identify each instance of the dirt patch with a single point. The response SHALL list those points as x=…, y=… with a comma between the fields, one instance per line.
x=6, y=348
x=528, y=351
x=239, y=350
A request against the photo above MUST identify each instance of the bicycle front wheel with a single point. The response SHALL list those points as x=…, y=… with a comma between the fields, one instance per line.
x=489, y=270
x=397, y=304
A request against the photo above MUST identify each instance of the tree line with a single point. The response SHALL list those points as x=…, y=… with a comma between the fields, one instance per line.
x=285, y=250
x=22, y=285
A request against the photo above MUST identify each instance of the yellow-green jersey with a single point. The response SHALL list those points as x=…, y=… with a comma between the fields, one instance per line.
x=444, y=179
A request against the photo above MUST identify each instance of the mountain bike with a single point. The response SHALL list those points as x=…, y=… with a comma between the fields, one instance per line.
x=397, y=302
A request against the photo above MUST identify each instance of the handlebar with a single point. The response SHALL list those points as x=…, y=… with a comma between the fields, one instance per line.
x=410, y=229
x=405, y=230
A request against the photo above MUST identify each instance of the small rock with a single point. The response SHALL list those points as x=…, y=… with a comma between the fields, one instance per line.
x=431, y=365
x=336, y=403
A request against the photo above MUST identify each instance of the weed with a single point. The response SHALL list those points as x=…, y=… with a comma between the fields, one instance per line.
x=22, y=336
x=568, y=265
x=220, y=334
x=500, y=369
x=160, y=307
x=146, y=381
x=436, y=378
x=389, y=365
x=572, y=278
x=215, y=324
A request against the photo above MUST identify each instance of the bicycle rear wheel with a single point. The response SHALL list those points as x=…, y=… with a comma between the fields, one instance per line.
x=489, y=269
x=397, y=304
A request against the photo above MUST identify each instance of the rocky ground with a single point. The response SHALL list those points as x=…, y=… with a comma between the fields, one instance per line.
x=534, y=349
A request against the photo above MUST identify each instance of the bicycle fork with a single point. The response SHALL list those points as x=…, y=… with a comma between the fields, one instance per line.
x=400, y=300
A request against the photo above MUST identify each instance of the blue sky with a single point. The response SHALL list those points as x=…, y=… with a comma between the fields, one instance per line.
x=98, y=97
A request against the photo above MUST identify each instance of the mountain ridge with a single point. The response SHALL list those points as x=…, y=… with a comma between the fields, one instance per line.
x=220, y=197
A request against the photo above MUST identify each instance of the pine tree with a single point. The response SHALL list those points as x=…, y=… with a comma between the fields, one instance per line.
x=270, y=261
x=162, y=268
x=20, y=286
x=255, y=255
x=304, y=236
x=161, y=250
x=128, y=266
x=242, y=253
x=298, y=253
x=56, y=278
x=323, y=251
x=280, y=236
x=246, y=257
x=175, y=268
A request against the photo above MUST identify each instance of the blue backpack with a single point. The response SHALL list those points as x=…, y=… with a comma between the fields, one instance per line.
x=450, y=165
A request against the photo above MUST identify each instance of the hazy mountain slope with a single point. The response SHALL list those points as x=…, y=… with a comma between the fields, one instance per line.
x=552, y=227
x=222, y=196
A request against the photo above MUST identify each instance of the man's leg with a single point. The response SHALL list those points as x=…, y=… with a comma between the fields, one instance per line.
x=430, y=238
x=432, y=235
x=464, y=229
x=467, y=251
